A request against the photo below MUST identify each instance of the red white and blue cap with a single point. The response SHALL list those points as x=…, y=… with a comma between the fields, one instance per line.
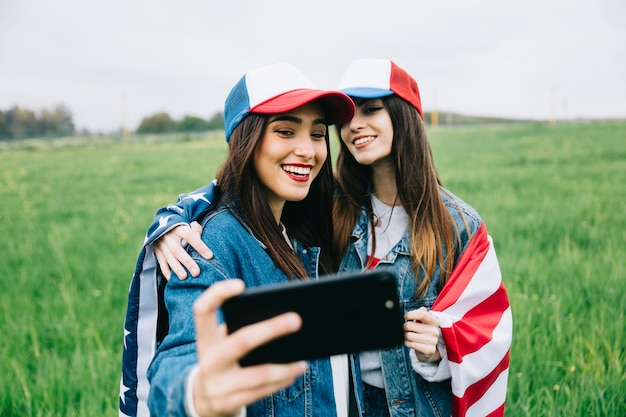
x=280, y=88
x=375, y=78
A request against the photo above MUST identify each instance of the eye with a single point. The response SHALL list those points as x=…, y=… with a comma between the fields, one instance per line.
x=318, y=135
x=284, y=132
x=372, y=109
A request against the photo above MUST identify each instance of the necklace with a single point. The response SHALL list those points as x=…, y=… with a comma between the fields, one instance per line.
x=387, y=224
x=379, y=218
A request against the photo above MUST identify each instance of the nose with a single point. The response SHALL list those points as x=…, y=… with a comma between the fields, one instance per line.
x=357, y=122
x=304, y=148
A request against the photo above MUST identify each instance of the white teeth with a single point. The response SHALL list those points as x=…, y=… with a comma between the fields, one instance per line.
x=297, y=170
x=363, y=140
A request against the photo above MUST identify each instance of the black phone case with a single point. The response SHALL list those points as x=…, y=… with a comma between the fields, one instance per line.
x=342, y=313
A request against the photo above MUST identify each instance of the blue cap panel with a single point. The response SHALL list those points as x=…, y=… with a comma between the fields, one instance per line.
x=237, y=106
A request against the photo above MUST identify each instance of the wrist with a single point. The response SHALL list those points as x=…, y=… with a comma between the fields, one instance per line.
x=190, y=395
x=190, y=384
x=425, y=358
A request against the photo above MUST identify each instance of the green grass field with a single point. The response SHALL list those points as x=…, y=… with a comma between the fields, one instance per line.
x=73, y=218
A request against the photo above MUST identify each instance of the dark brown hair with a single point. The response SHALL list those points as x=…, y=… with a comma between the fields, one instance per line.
x=308, y=220
x=433, y=230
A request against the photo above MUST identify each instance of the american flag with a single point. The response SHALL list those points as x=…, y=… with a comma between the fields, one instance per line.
x=476, y=324
x=140, y=326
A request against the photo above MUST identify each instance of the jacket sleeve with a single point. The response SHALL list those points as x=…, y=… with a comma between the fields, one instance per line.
x=140, y=328
x=167, y=389
x=189, y=207
x=176, y=355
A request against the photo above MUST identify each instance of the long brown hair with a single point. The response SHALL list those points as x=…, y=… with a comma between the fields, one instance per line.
x=434, y=234
x=308, y=220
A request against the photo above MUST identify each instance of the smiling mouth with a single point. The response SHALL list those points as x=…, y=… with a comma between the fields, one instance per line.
x=363, y=140
x=297, y=171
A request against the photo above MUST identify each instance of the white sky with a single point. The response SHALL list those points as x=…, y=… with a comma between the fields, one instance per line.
x=114, y=62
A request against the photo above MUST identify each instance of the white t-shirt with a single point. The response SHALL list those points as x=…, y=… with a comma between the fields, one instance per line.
x=390, y=224
x=341, y=383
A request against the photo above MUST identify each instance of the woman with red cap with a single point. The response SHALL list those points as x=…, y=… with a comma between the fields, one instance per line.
x=275, y=207
x=392, y=211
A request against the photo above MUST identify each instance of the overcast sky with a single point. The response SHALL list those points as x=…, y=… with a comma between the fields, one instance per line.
x=114, y=62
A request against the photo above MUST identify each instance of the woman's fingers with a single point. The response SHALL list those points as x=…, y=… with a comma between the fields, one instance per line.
x=250, y=384
x=224, y=393
x=194, y=238
x=172, y=255
x=205, y=310
x=222, y=385
x=421, y=333
x=422, y=315
x=239, y=343
x=252, y=336
x=162, y=260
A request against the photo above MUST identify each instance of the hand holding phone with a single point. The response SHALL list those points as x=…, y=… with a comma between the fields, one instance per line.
x=341, y=313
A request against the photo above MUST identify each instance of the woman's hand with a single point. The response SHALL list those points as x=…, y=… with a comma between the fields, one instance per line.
x=222, y=387
x=421, y=333
x=171, y=253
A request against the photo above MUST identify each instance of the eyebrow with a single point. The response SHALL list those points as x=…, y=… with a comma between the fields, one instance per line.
x=296, y=120
x=360, y=101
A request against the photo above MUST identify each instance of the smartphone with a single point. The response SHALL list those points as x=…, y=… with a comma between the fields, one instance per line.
x=341, y=313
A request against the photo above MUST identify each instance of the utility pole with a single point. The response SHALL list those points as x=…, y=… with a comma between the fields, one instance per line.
x=125, y=131
x=553, y=106
x=434, y=114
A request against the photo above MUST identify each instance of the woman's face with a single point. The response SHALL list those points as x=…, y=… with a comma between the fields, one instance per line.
x=369, y=134
x=291, y=154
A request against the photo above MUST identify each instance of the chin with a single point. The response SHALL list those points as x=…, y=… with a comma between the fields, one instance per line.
x=366, y=161
x=295, y=197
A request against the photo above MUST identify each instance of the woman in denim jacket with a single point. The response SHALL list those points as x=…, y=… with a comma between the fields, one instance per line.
x=391, y=211
x=276, y=178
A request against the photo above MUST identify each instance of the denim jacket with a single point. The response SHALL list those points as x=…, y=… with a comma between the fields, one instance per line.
x=240, y=255
x=408, y=394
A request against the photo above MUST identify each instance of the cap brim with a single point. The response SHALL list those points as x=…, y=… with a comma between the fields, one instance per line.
x=366, y=92
x=338, y=106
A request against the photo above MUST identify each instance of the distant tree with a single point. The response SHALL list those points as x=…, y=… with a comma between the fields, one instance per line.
x=162, y=122
x=21, y=123
x=191, y=124
x=4, y=132
x=157, y=123
x=61, y=121
x=216, y=122
x=57, y=122
x=17, y=122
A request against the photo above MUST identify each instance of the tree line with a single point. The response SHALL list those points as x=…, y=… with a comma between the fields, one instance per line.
x=19, y=123
x=162, y=122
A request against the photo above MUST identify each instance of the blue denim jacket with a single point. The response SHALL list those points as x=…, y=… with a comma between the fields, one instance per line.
x=240, y=255
x=408, y=394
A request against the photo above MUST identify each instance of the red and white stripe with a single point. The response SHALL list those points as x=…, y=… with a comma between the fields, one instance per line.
x=476, y=323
